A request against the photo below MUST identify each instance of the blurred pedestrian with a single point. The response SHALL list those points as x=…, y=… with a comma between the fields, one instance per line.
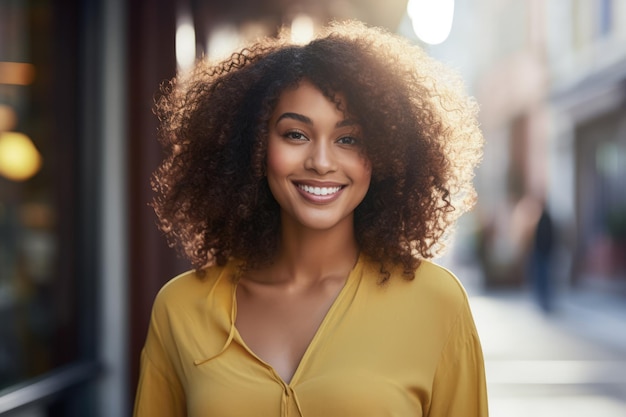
x=541, y=259
x=309, y=185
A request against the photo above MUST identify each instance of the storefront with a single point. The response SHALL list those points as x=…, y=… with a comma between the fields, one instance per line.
x=592, y=135
x=49, y=206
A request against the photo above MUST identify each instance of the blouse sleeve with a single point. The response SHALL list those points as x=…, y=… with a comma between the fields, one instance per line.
x=159, y=392
x=459, y=388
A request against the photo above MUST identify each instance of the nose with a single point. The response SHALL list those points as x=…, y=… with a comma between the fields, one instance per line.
x=321, y=158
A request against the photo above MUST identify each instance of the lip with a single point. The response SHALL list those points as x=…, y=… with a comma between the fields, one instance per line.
x=319, y=198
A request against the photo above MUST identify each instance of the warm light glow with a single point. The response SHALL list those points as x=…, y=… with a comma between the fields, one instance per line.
x=185, y=45
x=16, y=73
x=19, y=159
x=431, y=19
x=8, y=118
x=223, y=41
x=302, y=29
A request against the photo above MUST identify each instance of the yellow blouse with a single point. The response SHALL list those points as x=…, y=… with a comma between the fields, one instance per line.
x=405, y=348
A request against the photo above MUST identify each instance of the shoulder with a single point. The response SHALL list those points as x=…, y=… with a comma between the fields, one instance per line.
x=191, y=287
x=191, y=313
x=187, y=282
x=431, y=280
x=440, y=282
x=433, y=291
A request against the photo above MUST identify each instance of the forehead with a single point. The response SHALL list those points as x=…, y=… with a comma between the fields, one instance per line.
x=306, y=98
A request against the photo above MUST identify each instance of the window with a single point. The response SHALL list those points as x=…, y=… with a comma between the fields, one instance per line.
x=47, y=197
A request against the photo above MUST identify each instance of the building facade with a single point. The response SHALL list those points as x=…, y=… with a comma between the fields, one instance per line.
x=549, y=77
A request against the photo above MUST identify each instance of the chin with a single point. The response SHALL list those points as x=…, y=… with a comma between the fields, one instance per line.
x=323, y=222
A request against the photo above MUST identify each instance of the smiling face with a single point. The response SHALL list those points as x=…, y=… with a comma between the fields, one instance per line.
x=316, y=169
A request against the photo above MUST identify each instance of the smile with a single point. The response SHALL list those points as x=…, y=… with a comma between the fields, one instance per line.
x=319, y=190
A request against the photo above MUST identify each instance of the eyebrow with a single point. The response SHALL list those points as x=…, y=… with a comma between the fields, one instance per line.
x=304, y=119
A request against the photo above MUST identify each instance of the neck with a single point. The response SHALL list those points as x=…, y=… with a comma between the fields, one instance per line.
x=311, y=255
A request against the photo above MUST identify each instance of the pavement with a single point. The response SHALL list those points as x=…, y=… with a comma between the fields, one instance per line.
x=569, y=362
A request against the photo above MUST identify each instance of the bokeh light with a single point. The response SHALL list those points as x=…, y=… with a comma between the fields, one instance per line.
x=19, y=159
x=431, y=20
x=302, y=29
x=185, y=45
x=8, y=117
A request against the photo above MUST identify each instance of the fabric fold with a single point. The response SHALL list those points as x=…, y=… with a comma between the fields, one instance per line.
x=230, y=324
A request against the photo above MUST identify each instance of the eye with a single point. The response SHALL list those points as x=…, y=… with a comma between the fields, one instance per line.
x=348, y=140
x=295, y=135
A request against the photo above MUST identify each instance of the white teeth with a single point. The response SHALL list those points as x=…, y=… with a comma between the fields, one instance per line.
x=319, y=190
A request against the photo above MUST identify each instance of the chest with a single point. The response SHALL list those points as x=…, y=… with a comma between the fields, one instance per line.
x=357, y=365
x=279, y=327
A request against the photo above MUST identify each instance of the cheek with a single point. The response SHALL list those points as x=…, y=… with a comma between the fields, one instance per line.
x=365, y=171
x=281, y=163
x=277, y=160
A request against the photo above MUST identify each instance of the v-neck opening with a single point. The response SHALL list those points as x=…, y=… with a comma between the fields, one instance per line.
x=316, y=335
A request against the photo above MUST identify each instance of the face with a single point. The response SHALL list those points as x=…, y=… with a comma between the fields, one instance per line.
x=315, y=167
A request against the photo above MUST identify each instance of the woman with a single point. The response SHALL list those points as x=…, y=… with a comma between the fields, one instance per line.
x=309, y=186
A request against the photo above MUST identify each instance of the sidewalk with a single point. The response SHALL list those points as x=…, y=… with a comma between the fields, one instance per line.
x=570, y=363
x=595, y=316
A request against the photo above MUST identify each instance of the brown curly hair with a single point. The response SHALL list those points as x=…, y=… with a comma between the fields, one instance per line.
x=420, y=135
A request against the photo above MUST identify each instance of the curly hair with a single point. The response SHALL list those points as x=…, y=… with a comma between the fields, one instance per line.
x=420, y=129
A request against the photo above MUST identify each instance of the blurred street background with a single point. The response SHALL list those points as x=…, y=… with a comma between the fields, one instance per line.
x=571, y=362
x=543, y=255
